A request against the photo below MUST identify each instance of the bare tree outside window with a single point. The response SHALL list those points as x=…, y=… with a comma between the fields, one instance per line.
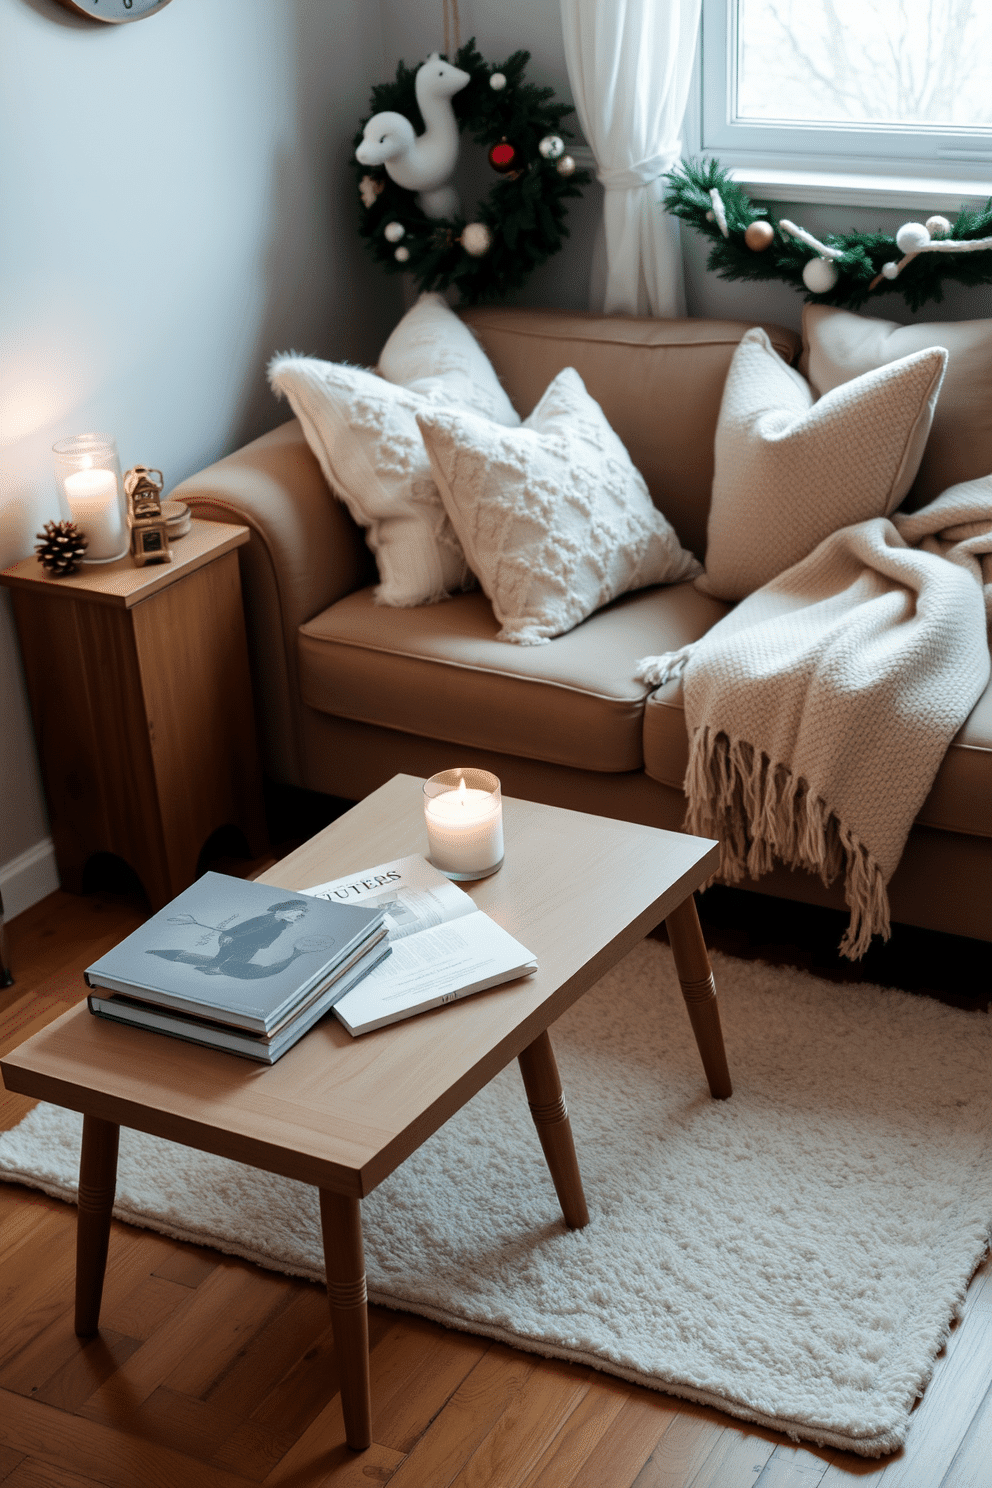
x=903, y=63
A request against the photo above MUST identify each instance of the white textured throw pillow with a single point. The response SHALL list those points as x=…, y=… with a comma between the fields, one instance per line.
x=554, y=518
x=363, y=431
x=432, y=348
x=789, y=471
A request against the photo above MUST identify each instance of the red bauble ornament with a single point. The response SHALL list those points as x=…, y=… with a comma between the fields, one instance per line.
x=503, y=158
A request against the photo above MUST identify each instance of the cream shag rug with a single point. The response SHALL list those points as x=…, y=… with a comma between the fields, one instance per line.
x=794, y=1255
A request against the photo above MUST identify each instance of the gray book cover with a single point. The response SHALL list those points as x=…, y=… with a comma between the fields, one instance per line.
x=242, y=953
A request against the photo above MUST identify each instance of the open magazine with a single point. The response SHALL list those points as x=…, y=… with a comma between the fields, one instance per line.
x=442, y=946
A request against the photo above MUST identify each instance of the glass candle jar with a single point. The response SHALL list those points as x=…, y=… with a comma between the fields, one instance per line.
x=88, y=476
x=463, y=810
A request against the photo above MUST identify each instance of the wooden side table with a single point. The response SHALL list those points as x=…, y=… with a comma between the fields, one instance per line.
x=141, y=699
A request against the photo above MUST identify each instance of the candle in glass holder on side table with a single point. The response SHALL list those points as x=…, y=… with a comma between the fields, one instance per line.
x=463, y=810
x=95, y=506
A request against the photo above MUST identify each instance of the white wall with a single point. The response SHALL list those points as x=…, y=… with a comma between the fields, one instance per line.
x=174, y=207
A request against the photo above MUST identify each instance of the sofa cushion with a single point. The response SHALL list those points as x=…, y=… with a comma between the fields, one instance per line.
x=657, y=381
x=433, y=348
x=554, y=518
x=839, y=345
x=440, y=672
x=958, y=802
x=789, y=471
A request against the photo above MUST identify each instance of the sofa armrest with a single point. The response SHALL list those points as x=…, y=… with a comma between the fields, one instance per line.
x=305, y=552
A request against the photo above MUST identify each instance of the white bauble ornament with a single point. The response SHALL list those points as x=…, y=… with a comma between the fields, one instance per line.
x=938, y=227
x=402, y=254
x=498, y=82
x=890, y=271
x=552, y=146
x=393, y=231
x=911, y=237
x=819, y=275
x=566, y=166
x=476, y=239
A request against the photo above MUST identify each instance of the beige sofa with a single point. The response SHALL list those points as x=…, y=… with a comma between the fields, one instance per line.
x=348, y=693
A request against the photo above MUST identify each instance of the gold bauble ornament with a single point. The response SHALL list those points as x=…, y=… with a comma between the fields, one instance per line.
x=758, y=236
x=565, y=166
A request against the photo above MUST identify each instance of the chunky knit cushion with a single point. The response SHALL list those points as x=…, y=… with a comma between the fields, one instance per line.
x=362, y=427
x=363, y=431
x=432, y=348
x=789, y=471
x=554, y=519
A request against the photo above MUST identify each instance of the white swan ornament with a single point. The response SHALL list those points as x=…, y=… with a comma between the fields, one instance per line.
x=423, y=163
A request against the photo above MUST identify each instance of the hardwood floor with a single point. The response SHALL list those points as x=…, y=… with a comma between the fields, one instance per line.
x=210, y=1373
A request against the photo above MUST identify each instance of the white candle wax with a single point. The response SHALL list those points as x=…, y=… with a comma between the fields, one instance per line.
x=96, y=510
x=465, y=830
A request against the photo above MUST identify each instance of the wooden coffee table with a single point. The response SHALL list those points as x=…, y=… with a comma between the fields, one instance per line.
x=341, y=1113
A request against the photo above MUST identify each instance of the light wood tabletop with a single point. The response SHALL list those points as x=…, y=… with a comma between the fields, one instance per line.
x=339, y=1112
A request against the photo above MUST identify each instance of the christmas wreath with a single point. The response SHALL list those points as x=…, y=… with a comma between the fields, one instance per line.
x=843, y=269
x=522, y=220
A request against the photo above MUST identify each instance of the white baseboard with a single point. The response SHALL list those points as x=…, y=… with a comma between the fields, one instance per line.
x=28, y=878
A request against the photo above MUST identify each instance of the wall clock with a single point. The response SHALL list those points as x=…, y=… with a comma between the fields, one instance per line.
x=114, y=12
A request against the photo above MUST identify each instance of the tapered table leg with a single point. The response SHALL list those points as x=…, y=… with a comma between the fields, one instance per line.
x=97, y=1186
x=547, y=1104
x=692, y=963
x=344, y=1264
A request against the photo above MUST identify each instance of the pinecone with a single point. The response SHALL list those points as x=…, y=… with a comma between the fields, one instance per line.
x=60, y=547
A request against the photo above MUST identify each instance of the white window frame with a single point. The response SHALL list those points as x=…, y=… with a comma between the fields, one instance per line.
x=831, y=162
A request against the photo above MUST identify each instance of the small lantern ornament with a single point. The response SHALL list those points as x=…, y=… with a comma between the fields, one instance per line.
x=60, y=548
x=149, y=527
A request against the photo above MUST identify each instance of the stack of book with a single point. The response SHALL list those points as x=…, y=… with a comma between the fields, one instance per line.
x=238, y=965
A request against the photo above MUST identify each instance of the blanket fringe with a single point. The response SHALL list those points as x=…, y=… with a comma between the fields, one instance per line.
x=657, y=670
x=760, y=812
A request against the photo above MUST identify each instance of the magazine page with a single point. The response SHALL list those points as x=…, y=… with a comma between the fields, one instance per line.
x=411, y=892
x=442, y=964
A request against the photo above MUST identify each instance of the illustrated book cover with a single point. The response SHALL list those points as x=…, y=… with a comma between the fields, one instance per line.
x=238, y=953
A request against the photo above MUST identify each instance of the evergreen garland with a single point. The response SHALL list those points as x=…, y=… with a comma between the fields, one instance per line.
x=862, y=254
x=525, y=215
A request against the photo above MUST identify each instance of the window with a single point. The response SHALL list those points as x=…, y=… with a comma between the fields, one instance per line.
x=894, y=86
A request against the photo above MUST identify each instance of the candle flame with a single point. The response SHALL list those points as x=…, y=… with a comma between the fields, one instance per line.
x=462, y=792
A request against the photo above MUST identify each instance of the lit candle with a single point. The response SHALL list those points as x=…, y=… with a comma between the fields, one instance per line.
x=96, y=510
x=464, y=823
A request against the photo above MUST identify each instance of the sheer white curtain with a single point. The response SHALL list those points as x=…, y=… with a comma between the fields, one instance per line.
x=630, y=64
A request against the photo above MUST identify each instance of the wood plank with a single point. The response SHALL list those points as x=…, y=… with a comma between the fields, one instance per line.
x=794, y=1467
x=113, y=1458
x=421, y=1367
x=563, y=1462
x=88, y=1362
x=738, y=1453
x=683, y=1449
x=970, y=1464
x=525, y=1430
x=501, y=1378
x=189, y=1265
x=9, y=1459
x=215, y=1316
x=35, y=1474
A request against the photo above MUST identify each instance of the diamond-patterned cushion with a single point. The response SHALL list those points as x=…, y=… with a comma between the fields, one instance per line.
x=789, y=471
x=554, y=519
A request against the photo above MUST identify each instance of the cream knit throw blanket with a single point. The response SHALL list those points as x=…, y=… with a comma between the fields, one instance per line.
x=819, y=709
